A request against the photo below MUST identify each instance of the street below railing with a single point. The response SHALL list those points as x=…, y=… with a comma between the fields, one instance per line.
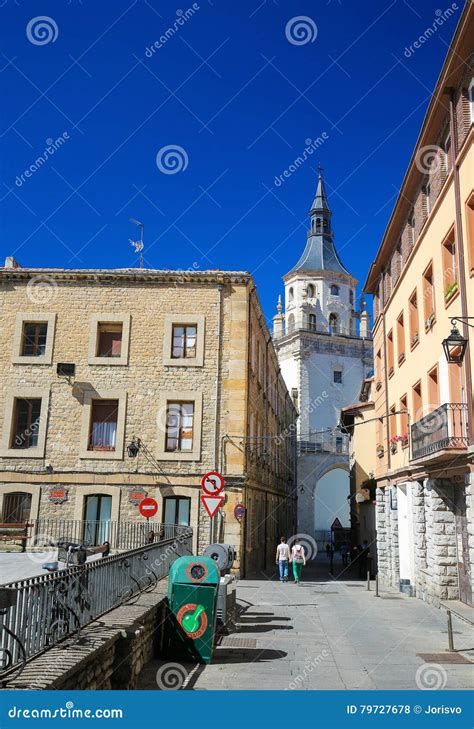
x=39, y=612
x=121, y=535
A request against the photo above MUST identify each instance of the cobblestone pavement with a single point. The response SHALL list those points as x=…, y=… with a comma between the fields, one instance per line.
x=330, y=634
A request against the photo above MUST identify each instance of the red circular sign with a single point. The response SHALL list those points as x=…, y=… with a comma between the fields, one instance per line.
x=212, y=483
x=148, y=507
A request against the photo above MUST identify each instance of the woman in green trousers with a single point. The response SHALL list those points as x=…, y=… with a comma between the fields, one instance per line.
x=298, y=559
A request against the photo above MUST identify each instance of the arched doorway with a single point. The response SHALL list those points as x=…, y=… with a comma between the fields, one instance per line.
x=331, y=502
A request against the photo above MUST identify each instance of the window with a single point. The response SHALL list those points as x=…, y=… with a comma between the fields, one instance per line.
x=334, y=290
x=333, y=323
x=401, y=338
x=429, y=297
x=26, y=422
x=390, y=353
x=291, y=294
x=378, y=370
x=433, y=388
x=470, y=232
x=414, y=324
x=291, y=324
x=16, y=508
x=34, y=337
x=184, y=341
x=103, y=425
x=426, y=192
x=311, y=291
x=404, y=420
x=179, y=426
x=109, y=339
x=450, y=268
x=417, y=402
x=351, y=296
x=337, y=377
x=176, y=510
x=392, y=424
x=447, y=152
x=312, y=322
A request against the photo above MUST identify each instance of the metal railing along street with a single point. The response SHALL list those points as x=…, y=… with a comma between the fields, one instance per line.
x=119, y=534
x=39, y=612
x=322, y=441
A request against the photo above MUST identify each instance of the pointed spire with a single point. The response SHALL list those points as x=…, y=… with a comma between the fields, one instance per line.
x=279, y=305
x=320, y=202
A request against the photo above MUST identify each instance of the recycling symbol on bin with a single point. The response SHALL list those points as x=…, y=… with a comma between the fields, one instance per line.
x=193, y=620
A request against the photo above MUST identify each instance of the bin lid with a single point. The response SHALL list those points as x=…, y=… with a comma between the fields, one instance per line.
x=194, y=570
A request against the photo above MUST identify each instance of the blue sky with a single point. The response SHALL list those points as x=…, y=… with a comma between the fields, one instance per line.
x=239, y=96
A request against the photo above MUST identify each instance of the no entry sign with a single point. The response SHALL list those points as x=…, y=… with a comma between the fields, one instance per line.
x=148, y=507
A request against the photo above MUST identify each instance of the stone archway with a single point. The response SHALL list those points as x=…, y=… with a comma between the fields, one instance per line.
x=312, y=469
x=330, y=498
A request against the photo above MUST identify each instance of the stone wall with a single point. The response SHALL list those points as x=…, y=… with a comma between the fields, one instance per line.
x=387, y=537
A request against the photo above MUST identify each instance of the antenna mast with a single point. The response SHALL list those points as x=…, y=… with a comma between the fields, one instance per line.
x=138, y=245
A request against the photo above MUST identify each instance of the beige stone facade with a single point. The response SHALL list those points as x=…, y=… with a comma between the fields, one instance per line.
x=240, y=407
x=422, y=278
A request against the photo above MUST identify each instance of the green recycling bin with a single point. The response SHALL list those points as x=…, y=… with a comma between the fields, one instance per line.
x=193, y=583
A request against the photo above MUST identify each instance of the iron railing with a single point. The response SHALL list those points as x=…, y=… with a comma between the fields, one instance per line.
x=444, y=428
x=39, y=612
x=120, y=534
x=323, y=442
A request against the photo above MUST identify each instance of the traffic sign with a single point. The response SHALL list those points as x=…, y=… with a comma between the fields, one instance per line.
x=239, y=511
x=212, y=483
x=336, y=524
x=148, y=507
x=212, y=503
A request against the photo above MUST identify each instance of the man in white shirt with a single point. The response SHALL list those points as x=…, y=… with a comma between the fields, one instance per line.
x=282, y=559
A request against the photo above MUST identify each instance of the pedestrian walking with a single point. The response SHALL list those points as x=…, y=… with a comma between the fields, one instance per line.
x=344, y=554
x=298, y=559
x=282, y=559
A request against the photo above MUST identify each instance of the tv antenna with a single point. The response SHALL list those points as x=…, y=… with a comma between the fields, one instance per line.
x=138, y=245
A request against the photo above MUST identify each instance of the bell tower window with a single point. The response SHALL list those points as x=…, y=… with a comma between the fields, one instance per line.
x=291, y=294
x=334, y=290
x=311, y=291
x=333, y=323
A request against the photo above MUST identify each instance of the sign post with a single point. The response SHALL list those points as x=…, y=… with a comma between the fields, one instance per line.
x=148, y=507
x=212, y=484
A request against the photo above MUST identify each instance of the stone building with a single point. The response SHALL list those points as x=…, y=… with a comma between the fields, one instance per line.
x=422, y=279
x=325, y=351
x=94, y=363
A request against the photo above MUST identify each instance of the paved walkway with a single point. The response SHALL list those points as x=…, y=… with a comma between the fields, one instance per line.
x=330, y=634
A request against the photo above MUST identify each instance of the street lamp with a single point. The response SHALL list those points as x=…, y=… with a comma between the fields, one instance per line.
x=133, y=448
x=455, y=345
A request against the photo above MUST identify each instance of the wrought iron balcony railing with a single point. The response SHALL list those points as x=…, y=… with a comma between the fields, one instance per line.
x=323, y=442
x=444, y=428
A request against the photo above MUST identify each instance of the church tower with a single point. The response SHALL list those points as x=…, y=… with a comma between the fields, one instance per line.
x=325, y=352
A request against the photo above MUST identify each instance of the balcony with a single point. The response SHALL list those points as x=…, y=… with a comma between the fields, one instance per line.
x=323, y=442
x=445, y=429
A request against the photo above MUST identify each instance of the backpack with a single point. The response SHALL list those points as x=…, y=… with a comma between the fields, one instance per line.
x=299, y=553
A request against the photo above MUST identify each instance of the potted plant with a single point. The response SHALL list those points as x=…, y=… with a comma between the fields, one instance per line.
x=450, y=291
x=404, y=440
x=380, y=451
x=430, y=320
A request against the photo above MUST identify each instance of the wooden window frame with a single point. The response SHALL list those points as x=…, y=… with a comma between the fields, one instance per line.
x=6, y=451
x=429, y=315
x=33, y=317
x=401, y=338
x=108, y=318
x=413, y=313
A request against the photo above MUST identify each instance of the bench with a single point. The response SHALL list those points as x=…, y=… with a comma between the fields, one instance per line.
x=10, y=532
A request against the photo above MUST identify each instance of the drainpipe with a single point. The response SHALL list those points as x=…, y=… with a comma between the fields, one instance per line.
x=387, y=423
x=220, y=289
x=460, y=243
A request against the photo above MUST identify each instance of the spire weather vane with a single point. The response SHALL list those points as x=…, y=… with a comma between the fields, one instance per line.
x=138, y=245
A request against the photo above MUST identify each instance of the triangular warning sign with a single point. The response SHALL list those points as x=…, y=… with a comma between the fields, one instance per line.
x=336, y=524
x=212, y=503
